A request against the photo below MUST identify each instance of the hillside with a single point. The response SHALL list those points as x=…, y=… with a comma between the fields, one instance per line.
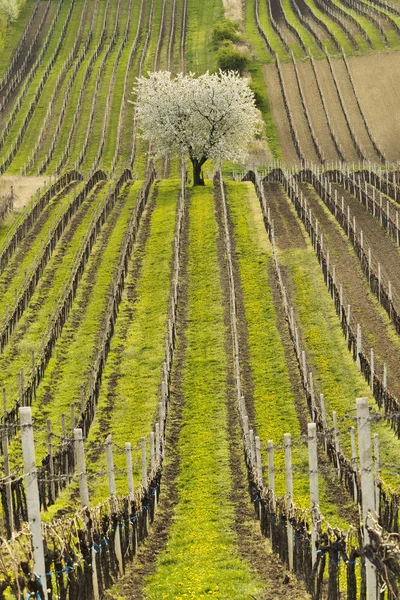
x=180, y=364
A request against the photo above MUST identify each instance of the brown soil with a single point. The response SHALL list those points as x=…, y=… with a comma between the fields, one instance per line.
x=279, y=115
x=253, y=547
x=289, y=235
x=316, y=110
x=376, y=79
x=356, y=292
x=299, y=118
x=357, y=123
x=131, y=585
x=384, y=249
x=335, y=112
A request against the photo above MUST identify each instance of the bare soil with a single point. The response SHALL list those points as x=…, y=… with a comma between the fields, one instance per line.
x=335, y=111
x=383, y=247
x=356, y=292
x=279, y=115
x=300, y=121
x=376, y=78
x=316, y=111
x=353, y=111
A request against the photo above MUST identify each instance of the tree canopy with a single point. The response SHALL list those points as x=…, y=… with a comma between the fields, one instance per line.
x=211, y=116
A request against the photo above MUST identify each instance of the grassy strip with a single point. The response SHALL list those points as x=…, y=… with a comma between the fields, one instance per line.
x=378, y=43
x=274, y=402
x=33, y=130
x=305, y=35
x=81, y=128
x=23, y=261
x=102, y=95
x=15, y=129
x=111, y=138
x=71, y=363
x=255, y=38
x=76, y=87
x=34, y=322
x=200, y=54
x=201, y=558
x=138, y=344
x=335, y=373
x=10, y=34
x=335, y=30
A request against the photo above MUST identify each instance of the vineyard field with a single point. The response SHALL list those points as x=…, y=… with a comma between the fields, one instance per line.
x=200, y=383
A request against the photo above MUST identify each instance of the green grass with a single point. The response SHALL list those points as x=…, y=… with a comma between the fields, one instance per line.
x=79, y=136
x=71, y=362
x=306, y=37
x=35, y=320
x=10, y=34
x=33, y=130
x=111, y=136
x=24, y=260
x=335, y=30
x=138, y=343
x=256, y=40
x=16, y=127
x=335, y=373
x=274, y=402
x=72, y=105
x=378, y=43
x=200, y=54
x=201, y=558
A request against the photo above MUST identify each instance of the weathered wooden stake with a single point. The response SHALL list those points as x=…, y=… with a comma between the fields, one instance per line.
x=314, y=491
x=289, y=494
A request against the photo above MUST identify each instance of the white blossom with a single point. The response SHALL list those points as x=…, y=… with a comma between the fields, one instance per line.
x=210, y=116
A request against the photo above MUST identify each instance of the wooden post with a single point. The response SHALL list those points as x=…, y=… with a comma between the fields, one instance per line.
x=7, y=473
x=367, y=487
x=369, y=265
x=377, y=475
x=348, y=322
x=252, y=450
x=259, y=463
x=271, y=468
x=129, y=471
x=372, y=366
x=144, y=463
x=32, y=494
x=81, y=468
x=113, y=495
x=354, y=462
x=289, y=494
x=314, y=491
x=158, y=455
x=51, y=461
x=72, y=417
x=358, y=347
x=336, y=439
x=384, y=381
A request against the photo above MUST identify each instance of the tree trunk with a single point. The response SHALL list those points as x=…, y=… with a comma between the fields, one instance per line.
x=197, y=174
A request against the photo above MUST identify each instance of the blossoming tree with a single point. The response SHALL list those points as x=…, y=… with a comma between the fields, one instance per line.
x=210, y=116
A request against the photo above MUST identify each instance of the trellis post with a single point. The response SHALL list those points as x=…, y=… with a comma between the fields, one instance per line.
x=32, y=495
x=314, y=491
x=289, y=494
x=113, y=495
x=367, y=487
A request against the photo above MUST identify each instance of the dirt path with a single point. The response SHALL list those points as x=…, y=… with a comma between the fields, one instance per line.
x=354, y=114
x=299, y=117
x=316, y=110
x=279, y=114
x=374, y=322
x=277, y=13
x=335, y=112
x=375, y=78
